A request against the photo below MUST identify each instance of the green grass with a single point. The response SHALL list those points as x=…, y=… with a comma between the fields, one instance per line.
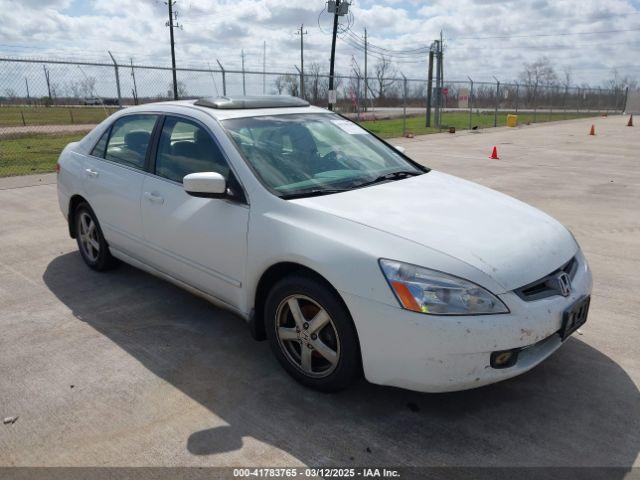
x=12, y=116
x=460, y=120
x=37, y=153
x=29, y=154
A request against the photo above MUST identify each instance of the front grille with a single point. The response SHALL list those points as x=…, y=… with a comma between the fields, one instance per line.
x=548, y=285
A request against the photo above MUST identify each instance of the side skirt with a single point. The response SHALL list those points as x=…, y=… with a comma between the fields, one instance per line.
x=179, y=283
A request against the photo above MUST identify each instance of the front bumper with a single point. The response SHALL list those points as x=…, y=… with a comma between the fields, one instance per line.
x=432, y=353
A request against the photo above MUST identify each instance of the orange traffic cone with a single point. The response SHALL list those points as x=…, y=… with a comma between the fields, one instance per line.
x=630, y=122
x=593, y=130
x=494, y=154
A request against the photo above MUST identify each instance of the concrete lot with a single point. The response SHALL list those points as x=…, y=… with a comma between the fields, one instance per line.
x=123, y=369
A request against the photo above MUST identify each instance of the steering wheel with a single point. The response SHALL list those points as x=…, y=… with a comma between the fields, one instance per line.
x=280, y=163
x=339, y=159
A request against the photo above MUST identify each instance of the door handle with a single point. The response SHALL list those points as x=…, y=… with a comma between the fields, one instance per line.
x=91, y=173
x=153, y=198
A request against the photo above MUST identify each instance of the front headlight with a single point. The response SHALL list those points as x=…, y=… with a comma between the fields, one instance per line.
x=429, y=291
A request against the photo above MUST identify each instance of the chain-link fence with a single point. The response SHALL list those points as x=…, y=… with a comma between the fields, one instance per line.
x=45, y=104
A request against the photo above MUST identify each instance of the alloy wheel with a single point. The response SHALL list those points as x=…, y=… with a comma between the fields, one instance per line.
x=307, y=336
x=88, y=234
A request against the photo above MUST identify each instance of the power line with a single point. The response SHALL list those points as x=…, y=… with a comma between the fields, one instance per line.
x=380, y=56
x=631, y=44
x=387, y=51
x=560, y=34
x=424, y=50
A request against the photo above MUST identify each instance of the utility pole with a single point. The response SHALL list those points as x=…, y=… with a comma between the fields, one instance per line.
x=46, y=76
x=170, y=23
x=471, y=101
x=301, y=31
x=366, y=81
x=339, y=8
x=300, y=74
x=357, y=94
x=429, y=86
x=244, y=85
x=438, y=91
x=333, y=54
x=439, y=81
x=404, y=105
x=264, y=67
x=135, y=87
x=497, y=102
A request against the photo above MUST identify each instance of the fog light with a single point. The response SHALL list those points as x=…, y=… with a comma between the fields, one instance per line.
x=504, y=358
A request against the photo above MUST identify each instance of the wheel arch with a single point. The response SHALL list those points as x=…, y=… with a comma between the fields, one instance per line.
x=270, y=277
x=74, y=201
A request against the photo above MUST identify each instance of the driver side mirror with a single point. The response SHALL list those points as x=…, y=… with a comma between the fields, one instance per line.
x=205, y=185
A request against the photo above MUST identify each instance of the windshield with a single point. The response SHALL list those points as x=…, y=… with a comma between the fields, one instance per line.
x=315, y=153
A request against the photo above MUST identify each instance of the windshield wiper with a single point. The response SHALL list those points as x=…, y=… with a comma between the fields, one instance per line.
x=382, y=178
x=389, y=176
x=314, y=193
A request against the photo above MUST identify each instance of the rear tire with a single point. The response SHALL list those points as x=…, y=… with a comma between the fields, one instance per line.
x=91, y=242
x=312, y=334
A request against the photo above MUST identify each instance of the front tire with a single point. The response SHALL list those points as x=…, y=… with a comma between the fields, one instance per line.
x=91, y=242
x=311, y=334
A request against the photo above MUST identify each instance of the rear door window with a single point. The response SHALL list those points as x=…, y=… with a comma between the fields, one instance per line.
x=129, y=140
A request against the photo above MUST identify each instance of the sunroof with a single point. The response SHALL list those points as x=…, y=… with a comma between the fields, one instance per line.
x=267, y=101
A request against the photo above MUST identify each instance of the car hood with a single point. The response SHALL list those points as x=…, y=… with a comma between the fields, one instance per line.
x=512, y=242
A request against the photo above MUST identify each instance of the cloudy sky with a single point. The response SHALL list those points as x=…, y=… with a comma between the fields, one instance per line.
x=482, y=37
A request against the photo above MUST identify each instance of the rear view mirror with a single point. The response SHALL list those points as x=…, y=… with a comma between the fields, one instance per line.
x=205, y=184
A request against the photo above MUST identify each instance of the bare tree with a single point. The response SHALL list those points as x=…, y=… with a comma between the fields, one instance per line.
x=384, y=73
x=293, y=85
x=568, y=76
x=313, y=85
x=616, y=82
x=87, y=86
x=280, y=83
x=537, y=74
x=288, y=83
x=182, y=90
x=418, y=91
x=324, y=85
x=80, y=88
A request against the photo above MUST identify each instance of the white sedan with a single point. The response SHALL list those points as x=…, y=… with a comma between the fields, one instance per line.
x=348, y=256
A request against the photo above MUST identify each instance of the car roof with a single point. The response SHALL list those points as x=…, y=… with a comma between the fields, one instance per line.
x=223, y=108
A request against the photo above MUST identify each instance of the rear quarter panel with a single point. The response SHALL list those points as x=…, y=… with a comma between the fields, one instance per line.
x=70, y=177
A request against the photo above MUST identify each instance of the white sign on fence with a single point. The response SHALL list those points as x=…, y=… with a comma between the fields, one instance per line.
x=333, y=97
x=463, y=97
